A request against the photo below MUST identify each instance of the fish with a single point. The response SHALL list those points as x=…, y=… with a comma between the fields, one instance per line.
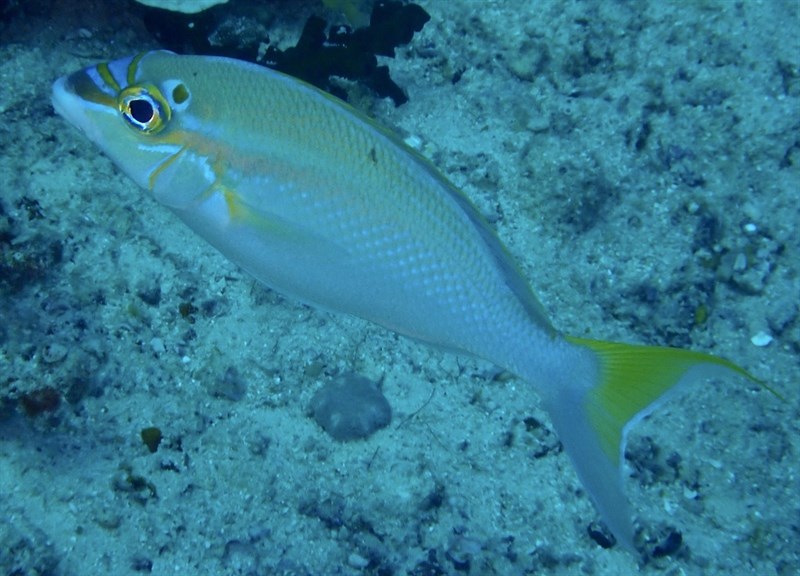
x=321, y=203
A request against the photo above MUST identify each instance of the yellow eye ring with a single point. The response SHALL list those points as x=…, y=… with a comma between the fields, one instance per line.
x=144, y=108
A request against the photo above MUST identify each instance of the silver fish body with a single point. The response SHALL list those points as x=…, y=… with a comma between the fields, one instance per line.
x=320, y=203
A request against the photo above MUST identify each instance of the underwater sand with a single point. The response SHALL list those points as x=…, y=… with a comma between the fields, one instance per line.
x=640, y=160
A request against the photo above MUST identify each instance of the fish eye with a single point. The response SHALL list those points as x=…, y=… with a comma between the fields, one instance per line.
x=144, y=108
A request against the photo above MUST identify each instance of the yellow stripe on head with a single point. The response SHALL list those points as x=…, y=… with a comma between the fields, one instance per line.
x=86, y=88
x=133, y=67
x=107, y=76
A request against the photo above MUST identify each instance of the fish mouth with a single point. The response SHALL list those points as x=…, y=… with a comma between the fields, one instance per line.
x=63, y=97
x=67, y=103
x=75, y=95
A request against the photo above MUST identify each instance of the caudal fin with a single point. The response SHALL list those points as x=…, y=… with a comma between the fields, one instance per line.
x=592, y=418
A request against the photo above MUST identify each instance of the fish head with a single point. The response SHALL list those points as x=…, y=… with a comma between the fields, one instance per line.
x=137, y=114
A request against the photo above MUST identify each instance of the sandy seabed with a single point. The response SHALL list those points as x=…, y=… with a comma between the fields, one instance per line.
x=640, y=160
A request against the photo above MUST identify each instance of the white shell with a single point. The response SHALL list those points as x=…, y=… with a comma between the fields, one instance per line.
x=761, y=339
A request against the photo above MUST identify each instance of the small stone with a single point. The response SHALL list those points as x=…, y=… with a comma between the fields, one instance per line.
x=669, y=545
x=141, y=564
x=761, y=339
x=740, y=263
x=157, y=345
x=601, y=535
x=151, y=437
x=108, y=518
x=414, y=142
x=356, y=560
x=53, y=353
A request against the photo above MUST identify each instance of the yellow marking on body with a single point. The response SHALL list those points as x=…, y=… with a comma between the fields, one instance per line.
x=240, y=213
x=236, y=211
x=151, y=181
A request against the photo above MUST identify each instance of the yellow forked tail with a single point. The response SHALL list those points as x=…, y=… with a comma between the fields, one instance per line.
x=592, y=416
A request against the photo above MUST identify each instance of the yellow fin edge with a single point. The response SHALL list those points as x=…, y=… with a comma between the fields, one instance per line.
x=632, y=377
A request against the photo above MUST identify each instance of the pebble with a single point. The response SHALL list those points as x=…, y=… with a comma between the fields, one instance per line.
x=54, y=352
x=350, y=407
x=414, y=142
x=761, y=339
x=157, y=345
x=356, y=560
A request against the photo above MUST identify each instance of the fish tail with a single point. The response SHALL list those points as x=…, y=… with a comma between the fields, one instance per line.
x=594, y=408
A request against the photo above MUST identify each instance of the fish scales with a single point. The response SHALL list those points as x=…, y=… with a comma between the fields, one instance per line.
x=347, y=182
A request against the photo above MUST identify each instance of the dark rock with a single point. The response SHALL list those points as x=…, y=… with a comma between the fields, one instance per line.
x=317, y=57
x=330, y=511
x=430, y=566
x=669, y=545
x=434, y=499
x=601, y=535
x=142, y=564
x=150, y=295
x=39, y=401
x=151, y=437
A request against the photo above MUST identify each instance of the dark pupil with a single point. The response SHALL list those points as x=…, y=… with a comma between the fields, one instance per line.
x=141, y=111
